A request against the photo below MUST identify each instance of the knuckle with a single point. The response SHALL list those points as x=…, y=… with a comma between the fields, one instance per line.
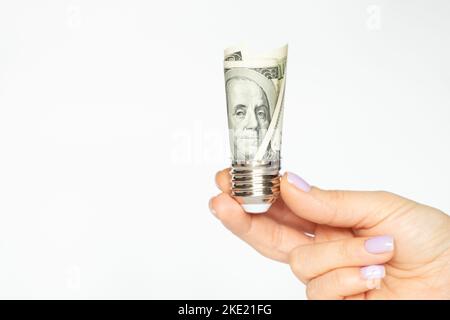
x=216, y=204
x=351, y=252
x=336, y=197
x=276, y=237
x=310, y=292
x=384, y=200
x=300, y=264
x=388, y=203
x=345, y=251
x=384, y=194
x=293, y=260
x=313, y=291
x=221, y=197
x=338, y=279
x=297, y=264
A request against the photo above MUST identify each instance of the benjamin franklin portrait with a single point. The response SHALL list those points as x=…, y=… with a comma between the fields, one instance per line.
x=251, y=99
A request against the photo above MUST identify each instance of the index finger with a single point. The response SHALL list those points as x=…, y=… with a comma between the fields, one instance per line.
x=272, y=239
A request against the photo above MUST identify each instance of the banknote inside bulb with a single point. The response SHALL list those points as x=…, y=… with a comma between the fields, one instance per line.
x=254, y=84
x=248, y=116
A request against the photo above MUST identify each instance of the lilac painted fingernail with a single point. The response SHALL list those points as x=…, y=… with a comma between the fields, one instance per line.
x=298, y=182
x=379, y=244
x=373, y=272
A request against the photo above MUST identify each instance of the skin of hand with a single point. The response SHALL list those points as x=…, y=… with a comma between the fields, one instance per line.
x=340, y=244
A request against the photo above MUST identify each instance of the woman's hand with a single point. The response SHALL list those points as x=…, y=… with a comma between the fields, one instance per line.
x=341, y=243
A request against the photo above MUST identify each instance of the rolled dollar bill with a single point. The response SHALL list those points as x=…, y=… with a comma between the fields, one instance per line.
x=254, y=84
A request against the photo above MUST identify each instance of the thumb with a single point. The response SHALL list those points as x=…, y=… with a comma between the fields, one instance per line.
x=337, y=208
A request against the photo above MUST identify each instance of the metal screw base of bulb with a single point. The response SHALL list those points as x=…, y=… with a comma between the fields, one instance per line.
x=255, y=184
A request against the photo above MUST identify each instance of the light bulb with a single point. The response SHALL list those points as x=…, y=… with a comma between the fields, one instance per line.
x=254, y=85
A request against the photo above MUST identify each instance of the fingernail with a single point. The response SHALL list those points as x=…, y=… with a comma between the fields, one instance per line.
x=379, y=244
x=298, y=182
x=373, y=272
x=211, y=208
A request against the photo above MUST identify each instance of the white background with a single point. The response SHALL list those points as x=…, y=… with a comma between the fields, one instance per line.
x=113, y=124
